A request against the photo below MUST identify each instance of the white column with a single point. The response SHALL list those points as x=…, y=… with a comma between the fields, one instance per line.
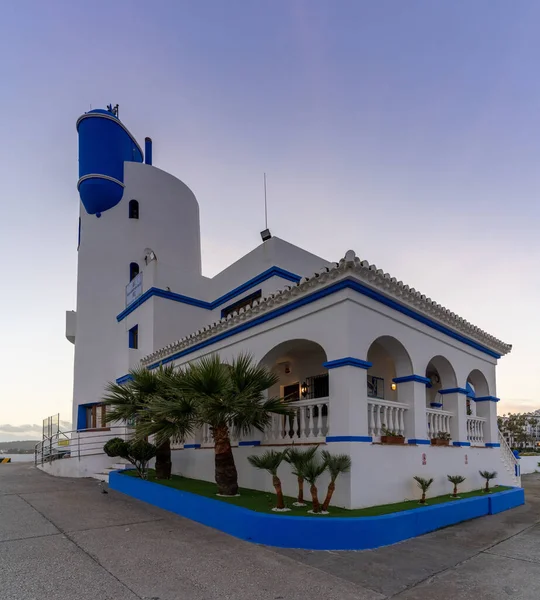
x=487, y=407
x=347, y=412
x=412, y=391
x=455, y=401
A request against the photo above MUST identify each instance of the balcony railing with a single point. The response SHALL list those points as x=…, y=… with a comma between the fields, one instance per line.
x=384, y=414
x=308, y=423
x=475, y=430
x=437, y=421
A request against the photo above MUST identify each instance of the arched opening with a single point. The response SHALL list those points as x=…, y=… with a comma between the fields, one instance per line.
x=303, y=382
x=133, y=209
x=389, y=359
x=442, y=376
x=477, y=387
x=133, y=270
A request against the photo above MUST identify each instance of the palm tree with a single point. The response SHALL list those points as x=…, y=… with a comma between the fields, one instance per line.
x=336, y=464
x=130, y=401
x=456, y=480
x=231, y=397
x=423, y=484
x=270, y=461
x=296, y=458
x=311, y=470
x=487, y=475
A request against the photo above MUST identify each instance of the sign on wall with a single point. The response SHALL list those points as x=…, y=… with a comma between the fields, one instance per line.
x=133, y=289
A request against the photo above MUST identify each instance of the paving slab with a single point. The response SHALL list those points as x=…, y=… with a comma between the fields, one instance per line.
x=87, y=508
x=19, y=520
x=484, y=577
x=20, y=478
x=525, y=546
x=53, y=568
x=176, y=558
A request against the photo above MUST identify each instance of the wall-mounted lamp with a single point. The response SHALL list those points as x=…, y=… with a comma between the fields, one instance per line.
x=394, y=387
x=304, y=389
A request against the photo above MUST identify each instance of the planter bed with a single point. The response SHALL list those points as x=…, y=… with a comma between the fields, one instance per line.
x=249, y=516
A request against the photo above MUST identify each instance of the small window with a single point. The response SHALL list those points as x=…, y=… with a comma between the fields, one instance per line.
x=246, y=301
x=133, y=270
x=134, y=337
x=95, y=416
x=133, y=209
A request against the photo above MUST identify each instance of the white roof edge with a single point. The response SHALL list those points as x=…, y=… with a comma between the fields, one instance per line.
x=348, y=266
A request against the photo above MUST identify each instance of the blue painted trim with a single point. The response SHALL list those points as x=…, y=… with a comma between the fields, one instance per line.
x=159, y=293
x=453, y=391
x=348, y=438
x=124, y=378
x=461, y=443
x=192, y=445
x=492, y=445
x=133, y=337
x=81, y=416
x=436, y=404
x=253, y=443
x=419, y=442
x=348, y=361
x=487, y=399
x=313, y=533
x=416, y=378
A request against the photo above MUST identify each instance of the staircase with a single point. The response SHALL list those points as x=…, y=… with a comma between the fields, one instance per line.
x=104, y=475
x=511, y=463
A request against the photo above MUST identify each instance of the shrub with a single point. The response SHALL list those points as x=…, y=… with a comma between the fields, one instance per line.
x=423, y=484
x=487, y=475
x=116, y=447
x=138, y=452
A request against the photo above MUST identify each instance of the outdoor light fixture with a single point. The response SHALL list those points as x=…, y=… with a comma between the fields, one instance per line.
x=304, y=389
x=266, y=235
x=394, y=387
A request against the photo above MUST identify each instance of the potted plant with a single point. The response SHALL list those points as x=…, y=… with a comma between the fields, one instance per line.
x=456, y=480
x=423, y=484
x=487, y=475
x=441, y=439
x=391, y=437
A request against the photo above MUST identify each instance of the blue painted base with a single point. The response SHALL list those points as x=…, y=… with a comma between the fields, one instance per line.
x=314, y=533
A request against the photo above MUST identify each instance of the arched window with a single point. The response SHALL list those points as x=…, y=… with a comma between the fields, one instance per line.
x=133, y=209
x=133, y=270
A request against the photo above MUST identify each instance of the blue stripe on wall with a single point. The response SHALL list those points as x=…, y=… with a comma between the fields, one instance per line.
x=416, y=378
x=454, y=391
x=348, y=361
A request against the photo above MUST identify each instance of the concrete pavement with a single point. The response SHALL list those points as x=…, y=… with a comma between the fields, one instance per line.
x=64, y=539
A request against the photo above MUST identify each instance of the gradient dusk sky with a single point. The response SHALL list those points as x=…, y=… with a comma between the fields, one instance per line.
x=408, y=131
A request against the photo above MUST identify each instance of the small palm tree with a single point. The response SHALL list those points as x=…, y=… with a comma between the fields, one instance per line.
x=423, y=484
x=270, y=461
x=336, y=464
x=487, y=475
x=456, y=480
x=296, y=458
x=311, y=470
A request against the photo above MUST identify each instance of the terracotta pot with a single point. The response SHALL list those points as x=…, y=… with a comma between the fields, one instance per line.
x=392, y=439
x=439, y=442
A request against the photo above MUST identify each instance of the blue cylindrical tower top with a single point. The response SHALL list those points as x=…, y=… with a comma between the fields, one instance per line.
x=104, y=145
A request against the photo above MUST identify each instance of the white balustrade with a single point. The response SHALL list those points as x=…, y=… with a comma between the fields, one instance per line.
x=437, y=421
x=207, y=439
x=475, y=430
x=383, y=414
x=308, y=422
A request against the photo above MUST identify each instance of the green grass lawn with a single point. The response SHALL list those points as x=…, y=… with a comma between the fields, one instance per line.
x=264, y=501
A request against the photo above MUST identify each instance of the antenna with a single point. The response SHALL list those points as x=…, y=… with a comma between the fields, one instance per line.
x=265, y=235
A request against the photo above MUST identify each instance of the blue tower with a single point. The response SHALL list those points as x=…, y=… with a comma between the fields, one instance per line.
x=104, y=145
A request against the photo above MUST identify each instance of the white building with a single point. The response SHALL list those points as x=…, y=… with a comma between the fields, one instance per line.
x=360, y=350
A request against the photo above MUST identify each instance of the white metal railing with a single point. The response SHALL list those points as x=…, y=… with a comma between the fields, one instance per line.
x=308, y=422
x=384, y=414
x=77, y=443
x=437, y=420
x=475, y=429
x=510, y=461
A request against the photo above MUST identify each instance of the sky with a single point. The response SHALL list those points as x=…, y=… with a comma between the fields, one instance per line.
x=407, y=131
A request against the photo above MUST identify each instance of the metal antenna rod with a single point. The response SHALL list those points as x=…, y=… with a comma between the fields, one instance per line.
x=265, y=205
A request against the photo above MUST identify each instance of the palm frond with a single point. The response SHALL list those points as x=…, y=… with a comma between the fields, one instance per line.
x=296, y=457
x=336, y=463
x=269, y=461
x=312, y=469
x=456, y=479
x=423, y=483
x=488, y=474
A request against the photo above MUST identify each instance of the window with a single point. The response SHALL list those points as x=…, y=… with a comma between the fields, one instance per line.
x=95, y=416
x=246, y=301
x=133, y=270
x=375, y=386
x=134, y=337
x=133, y=209
x=291, y=392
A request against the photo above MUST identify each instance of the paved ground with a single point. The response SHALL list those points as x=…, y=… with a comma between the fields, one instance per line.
x=63, y=539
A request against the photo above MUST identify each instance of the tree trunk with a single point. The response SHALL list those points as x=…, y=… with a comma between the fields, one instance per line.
x=279, y=492
x=423, y=498
x=163, y=460
x=315, y=499
x=329, y=492
x=487, y=486
x=455, y=491
x=226, y=474
x=300, y=498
